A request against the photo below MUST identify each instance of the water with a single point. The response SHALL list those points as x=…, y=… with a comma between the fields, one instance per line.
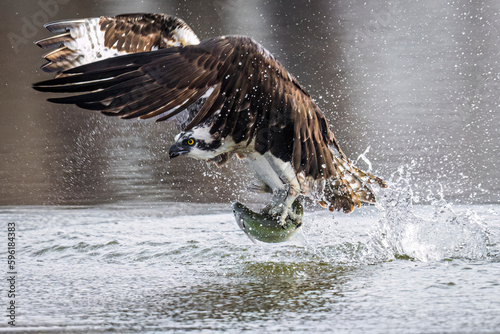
x=158, y=269
x=114, y=237
x=414, y=82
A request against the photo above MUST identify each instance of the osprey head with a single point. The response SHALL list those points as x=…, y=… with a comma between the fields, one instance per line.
x=197, y=143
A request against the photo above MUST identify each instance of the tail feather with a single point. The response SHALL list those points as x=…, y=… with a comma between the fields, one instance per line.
x=349, y=188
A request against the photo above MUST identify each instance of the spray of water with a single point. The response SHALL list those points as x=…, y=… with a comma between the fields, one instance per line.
x=363, y=157
x=430, y=232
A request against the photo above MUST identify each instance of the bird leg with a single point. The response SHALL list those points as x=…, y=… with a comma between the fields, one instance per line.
x=281, y=177
x=285, y=196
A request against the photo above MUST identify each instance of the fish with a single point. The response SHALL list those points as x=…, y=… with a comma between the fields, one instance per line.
x=266, y=228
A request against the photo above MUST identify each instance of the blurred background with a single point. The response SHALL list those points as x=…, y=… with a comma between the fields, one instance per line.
x=407, y=84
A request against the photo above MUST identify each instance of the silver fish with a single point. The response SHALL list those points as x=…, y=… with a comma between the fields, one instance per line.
x=264, y=227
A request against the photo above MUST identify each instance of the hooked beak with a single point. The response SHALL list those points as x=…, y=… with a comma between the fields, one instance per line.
x=176, y=150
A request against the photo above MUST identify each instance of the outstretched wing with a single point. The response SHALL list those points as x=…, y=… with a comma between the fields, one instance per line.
x=88, y=40
x=249, y=94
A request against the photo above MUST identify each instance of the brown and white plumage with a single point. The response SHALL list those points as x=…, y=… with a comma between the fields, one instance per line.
x=88, y=40
x=250, y=106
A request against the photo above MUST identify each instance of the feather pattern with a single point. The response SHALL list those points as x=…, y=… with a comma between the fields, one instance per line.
x=88, y=40
x=287, y=121
x=245, y=93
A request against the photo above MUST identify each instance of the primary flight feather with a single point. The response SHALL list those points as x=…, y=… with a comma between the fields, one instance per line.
x=235, y=98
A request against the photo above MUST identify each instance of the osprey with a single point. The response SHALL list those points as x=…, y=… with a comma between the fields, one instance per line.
x=228, y=94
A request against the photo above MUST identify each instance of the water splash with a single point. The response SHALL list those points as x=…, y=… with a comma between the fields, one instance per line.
x=363, y=157
x=425, y=232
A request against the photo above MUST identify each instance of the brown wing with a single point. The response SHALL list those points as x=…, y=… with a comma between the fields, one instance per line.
x=87, y=40
x=143, y=32
x=256, y=98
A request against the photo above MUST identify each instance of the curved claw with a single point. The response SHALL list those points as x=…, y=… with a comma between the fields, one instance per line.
x=281, y=213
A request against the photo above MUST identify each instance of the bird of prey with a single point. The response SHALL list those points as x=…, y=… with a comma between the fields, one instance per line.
x=229, y=95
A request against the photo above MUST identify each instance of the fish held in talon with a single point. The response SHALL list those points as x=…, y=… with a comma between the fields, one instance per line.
x=266, y=227
x=229, y=97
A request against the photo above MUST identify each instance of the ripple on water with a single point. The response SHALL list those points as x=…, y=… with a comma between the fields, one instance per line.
x=202, y=271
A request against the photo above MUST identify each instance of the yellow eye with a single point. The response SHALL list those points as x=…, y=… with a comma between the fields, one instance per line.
x=190, y=141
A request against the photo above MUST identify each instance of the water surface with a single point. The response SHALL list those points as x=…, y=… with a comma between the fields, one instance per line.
x=114, y=237
x=155, y=269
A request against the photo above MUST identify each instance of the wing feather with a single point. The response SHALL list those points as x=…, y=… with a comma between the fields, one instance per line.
x=88, y=40
x=253, y=98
